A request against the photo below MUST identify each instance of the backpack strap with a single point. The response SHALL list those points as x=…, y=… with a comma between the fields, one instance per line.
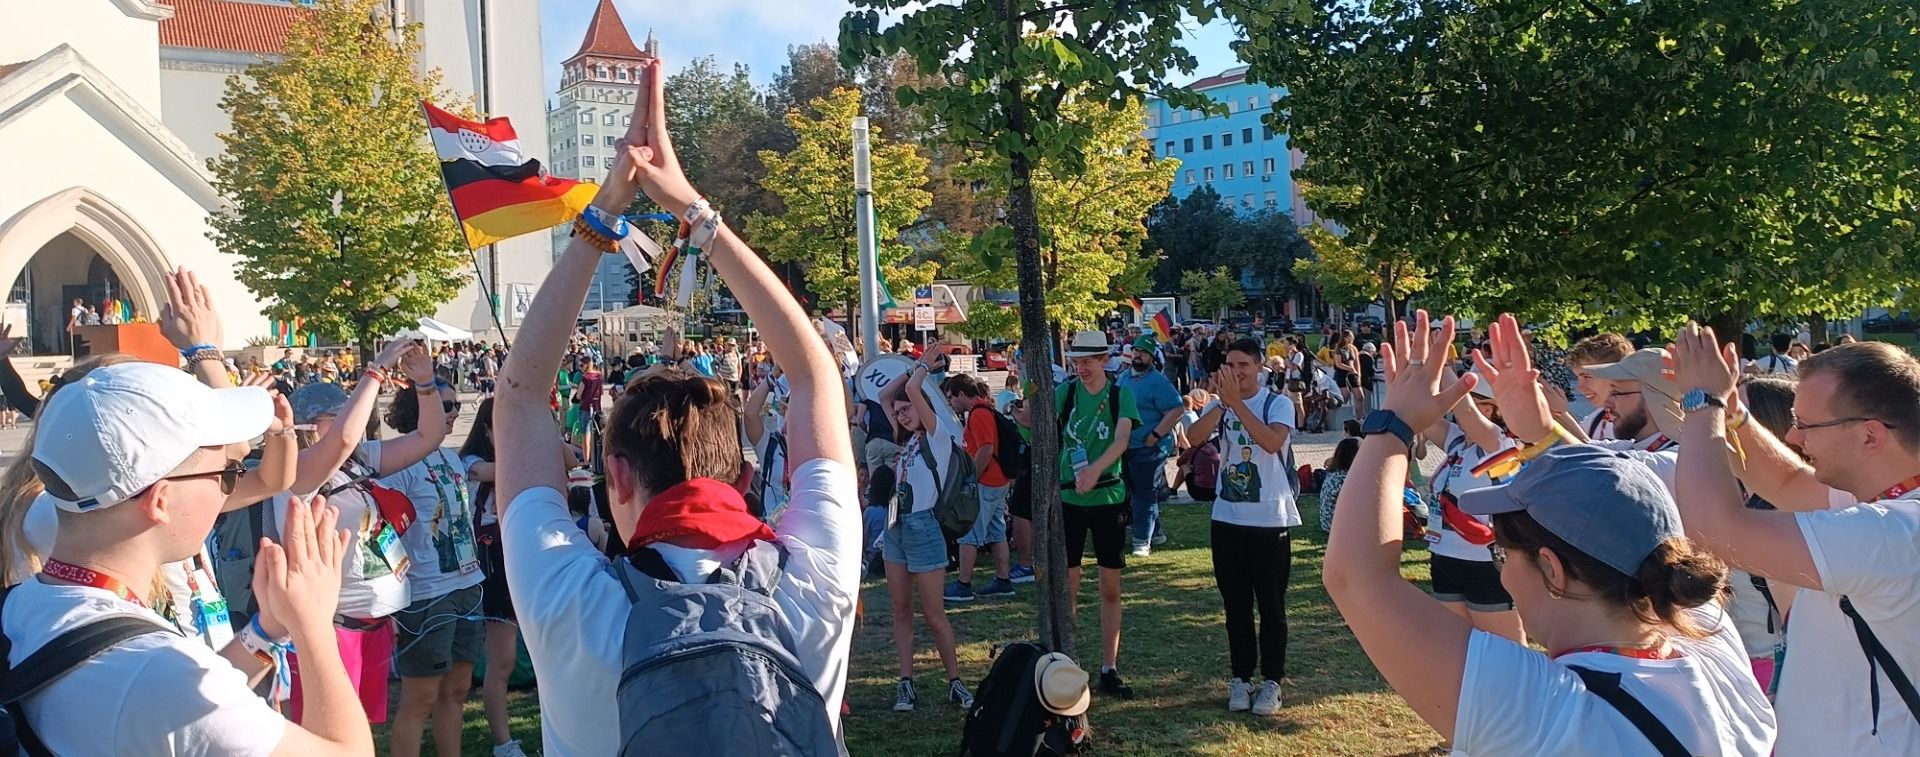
x=59, y=656
x=933, y=470
x=1773, y=608
x=1879, y=657
x=1607, y=687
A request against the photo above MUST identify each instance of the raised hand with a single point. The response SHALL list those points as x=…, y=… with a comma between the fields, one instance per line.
x=282, y=414
x=1414, y=370
x=645, y=156
x=7, y=340
x=1508, y=368
x=188, y=318
x=417, y=366
x=1699, y=363
x=1557, y=400
x=297, y=582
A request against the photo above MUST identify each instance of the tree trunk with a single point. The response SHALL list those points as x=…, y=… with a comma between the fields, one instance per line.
x=1817, y=326
x=363, y=342
x=1728, y=326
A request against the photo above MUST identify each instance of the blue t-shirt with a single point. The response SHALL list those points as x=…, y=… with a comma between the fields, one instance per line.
x=704, y=364
x=1154, y=395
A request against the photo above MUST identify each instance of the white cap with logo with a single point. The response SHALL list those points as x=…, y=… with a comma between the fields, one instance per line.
x=120, y=429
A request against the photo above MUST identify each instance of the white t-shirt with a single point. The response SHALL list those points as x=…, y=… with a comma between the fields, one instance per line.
x=1256, y=486
x=186, y=580
x=446, y=556
x=1456, y=475
x=573, y=612
x=1660, y=453
x=1516, y=701
x=1871, y=554
x=1597, y=425
x=487, y=517
x=919, y=488
x=1776, y=364
x=160, y=693
x=368, y=587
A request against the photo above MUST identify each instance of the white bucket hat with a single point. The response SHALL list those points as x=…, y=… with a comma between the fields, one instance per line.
x=1088, y=344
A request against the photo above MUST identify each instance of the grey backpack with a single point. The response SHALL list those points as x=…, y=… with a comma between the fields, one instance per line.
x=709, y=668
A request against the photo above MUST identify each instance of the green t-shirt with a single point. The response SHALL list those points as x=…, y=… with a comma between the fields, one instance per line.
x=1089, y=431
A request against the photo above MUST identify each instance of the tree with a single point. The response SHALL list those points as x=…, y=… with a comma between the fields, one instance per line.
x=701, y=101
x=1264, y=246
x=989, y=321
x=338, y=117
x=1356, y=267
x=1214, y=292
x=1091, y=216
x=1187, y=232
x=815, y=183
x=1002, y=86
x=1617, y=163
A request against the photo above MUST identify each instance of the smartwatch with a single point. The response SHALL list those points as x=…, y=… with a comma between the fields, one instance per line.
x=1386, y=422
x=1698, y=399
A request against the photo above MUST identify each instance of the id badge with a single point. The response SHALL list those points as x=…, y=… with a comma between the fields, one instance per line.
x=387, y=542
x=210, y=615
x=1078, y=458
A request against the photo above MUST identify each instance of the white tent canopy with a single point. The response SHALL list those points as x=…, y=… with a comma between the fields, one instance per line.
x=437, y=331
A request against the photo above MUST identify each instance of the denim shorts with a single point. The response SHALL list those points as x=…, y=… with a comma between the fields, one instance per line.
x=991, y=526
x=915, y=540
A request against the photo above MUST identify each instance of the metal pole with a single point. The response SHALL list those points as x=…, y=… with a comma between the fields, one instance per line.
x=869, y=261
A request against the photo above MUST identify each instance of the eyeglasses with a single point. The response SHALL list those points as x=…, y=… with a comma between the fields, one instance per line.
x=229, y=476
x=1611, y=395
x=1805, y=427
x=448, y=406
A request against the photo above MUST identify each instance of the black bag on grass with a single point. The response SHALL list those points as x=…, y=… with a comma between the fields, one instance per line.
x=1007, y=718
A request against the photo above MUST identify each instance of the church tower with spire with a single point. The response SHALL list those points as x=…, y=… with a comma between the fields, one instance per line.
x=599, y=89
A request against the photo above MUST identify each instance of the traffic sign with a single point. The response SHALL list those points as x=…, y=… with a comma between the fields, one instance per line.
x=923, y=317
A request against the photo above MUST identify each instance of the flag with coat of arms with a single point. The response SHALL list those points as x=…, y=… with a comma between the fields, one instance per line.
x=497, y=192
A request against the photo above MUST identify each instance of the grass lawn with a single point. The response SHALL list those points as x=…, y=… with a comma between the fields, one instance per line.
x=1173, y=653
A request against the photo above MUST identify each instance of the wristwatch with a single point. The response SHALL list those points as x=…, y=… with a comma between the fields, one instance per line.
x=1698, y=399
x=1385, y=421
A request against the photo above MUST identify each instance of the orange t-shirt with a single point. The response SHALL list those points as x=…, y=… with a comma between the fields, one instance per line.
x=983, y=430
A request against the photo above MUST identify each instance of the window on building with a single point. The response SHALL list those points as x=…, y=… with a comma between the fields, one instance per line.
x=1189, y=176
x=1153, y=119
x=1226, y=139
x=586, y=118
x=1206, y=142
x=1273, y=200
x=1169, y=148
x=1253, y=102
x=585, y=139
x=1273, y=97
x=1187, y=144
x=1173, y=115
x=1246, y=201
x=599, y=72
x=1266, y=166
x=609, y=140
x=1246, y=135
x=1269, y=132
x=588, y=160
x=1227, y=170
x=620, y=74
x=1231, y=109
x=626, y=120
x=1209, y=170
x=1246, y=168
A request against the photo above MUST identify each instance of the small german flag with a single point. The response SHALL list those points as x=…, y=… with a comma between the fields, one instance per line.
x=497, y=192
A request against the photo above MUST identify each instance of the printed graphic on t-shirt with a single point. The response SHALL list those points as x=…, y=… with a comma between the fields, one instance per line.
x=374, y=533
x=452, y=525
x=1242, y=480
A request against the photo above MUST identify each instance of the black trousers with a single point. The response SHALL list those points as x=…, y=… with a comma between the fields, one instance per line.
x=1251, y=566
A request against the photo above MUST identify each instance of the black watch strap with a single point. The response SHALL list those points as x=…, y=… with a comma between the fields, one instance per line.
x=1385, y=421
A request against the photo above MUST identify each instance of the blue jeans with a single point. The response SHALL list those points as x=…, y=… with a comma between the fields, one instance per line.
x=1145, y=471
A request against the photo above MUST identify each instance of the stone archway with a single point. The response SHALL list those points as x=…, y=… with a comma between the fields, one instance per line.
x=100, y=225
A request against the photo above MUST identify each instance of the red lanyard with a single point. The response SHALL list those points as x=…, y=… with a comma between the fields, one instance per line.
x=1661, y=652
x=89, y=577
x=1660, y=443
x=1901, y=488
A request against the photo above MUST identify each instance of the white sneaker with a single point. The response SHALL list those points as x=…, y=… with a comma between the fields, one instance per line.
x=1268, y=702
x=1238, y=694
x=509, y=749
x=1142, y=550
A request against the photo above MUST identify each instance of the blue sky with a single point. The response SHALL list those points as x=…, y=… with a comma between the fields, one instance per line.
x=758, y=32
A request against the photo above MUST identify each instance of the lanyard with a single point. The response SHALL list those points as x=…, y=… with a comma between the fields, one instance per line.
x=1661, y=652
x=1903, y=487
x=1659, y=443
x=89, y=577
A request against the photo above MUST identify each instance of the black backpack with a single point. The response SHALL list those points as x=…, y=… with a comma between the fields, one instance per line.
x=1007, y=718
x=47, y=664
x=1010, y=450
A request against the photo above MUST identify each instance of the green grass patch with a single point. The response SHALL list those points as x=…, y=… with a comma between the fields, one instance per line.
x=1173, y=652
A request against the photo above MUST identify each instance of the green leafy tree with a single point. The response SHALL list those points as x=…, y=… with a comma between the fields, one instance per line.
x=1187, y=233
x=819, y=227
x=338, y=117
x=1264, y=246
x=1357, y=267
x=1617, y=163
x=1004, y=72
x=989, y=321
x=1213, y=292
x=701, y=101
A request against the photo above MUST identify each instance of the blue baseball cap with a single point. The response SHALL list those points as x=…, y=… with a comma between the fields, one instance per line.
x=1603, y=503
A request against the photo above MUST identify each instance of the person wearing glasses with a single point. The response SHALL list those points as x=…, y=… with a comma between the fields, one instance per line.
x=1845, y=478
x=1642, y=399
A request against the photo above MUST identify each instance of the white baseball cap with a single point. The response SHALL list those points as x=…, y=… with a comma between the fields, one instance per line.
x=120, y=429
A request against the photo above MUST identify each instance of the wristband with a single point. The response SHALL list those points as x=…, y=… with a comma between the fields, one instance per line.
x=703, y=234
x=586, y=233
x=187, y=352
x=605, y=224
x=426, y=388
x=1509, y=462
x=694, y=211
x=376, y=374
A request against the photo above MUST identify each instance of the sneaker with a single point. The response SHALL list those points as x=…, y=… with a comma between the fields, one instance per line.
x=1159, y=538
x=1268, y=702
x=1239, y=695
x=904, y=696
x=509, y=749
x=1142, y=550
x=1020, y=574
x=957, y=693
x=1110, y=684
x=999, y=587
x=958, y=592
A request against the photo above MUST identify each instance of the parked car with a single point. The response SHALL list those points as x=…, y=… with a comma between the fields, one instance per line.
x=994, y=360
x=1889, y=322
x=1305, y=325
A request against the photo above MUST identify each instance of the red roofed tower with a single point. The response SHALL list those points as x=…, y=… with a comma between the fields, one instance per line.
x=599, y=89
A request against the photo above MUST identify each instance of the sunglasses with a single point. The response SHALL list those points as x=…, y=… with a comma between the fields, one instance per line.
x=229, y=476
x=448, y=406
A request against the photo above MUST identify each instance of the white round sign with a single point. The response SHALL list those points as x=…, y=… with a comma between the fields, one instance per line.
x=879, y=371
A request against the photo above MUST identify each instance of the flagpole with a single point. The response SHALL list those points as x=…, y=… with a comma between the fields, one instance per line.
x=493, y=303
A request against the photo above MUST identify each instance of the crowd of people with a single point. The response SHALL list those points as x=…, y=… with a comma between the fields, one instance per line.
x=1722, y=554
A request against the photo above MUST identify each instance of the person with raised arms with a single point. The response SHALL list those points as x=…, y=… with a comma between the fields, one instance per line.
x=674, y=476
x=1639, y=658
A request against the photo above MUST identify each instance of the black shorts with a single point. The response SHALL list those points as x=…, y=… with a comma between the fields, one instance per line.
x=1020, y=500
x=1471, y=581
x=495, y=601
x=1108, y=525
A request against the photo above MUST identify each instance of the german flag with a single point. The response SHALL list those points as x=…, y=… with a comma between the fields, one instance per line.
x=497, y=192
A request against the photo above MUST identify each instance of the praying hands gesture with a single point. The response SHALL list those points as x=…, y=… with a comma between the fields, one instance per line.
x=1699, y=363
x=1508, y=368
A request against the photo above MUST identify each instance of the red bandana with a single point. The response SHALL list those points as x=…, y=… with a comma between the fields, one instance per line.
x=702, y=513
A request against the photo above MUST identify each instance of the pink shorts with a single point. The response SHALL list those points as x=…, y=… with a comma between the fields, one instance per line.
x=368, y=656
x=1763, y=671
